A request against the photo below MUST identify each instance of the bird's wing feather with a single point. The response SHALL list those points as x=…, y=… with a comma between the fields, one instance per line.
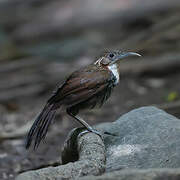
x=81, y=85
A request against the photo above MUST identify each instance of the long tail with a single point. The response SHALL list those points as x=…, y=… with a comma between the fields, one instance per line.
x=40, y=126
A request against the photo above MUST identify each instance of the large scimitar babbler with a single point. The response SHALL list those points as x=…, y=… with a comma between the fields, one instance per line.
x=85, y=88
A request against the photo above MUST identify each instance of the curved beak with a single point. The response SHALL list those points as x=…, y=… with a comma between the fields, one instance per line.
x=124, y=55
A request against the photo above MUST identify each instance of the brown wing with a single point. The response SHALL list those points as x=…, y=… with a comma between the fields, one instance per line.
x=82, y=85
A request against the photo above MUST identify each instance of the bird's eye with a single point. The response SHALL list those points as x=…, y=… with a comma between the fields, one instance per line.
x=111, y=55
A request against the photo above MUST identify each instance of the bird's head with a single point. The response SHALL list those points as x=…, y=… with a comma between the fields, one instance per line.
x=113, y=57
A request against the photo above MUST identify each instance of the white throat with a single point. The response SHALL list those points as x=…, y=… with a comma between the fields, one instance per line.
x=114, y=69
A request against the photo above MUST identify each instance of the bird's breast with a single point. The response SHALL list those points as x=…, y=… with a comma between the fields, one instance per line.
x=114, y=70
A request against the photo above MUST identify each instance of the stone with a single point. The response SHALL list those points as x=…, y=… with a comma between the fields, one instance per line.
x=145, y=138
x=144, y=145
x=91, y=161
x=138, y=174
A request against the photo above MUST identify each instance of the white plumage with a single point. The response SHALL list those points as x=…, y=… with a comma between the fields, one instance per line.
x=114, y=69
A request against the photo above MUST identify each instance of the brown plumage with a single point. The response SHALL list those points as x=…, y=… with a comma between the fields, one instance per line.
x=86, y=88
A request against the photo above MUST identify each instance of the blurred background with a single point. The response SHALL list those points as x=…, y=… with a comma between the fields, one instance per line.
x=42, y=42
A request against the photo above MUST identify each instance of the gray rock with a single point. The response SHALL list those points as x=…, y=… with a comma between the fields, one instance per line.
x=145, y=138
x=91, y=161
x=137, y=174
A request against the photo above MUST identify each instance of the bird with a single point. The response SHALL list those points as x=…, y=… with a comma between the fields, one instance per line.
x=86, y=88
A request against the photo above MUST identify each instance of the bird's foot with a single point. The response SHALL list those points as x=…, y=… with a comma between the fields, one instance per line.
x=110, y=134
x=91, y=130
x=96, y=132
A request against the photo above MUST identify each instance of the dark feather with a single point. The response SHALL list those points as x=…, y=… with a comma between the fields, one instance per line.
x=84, y=88
x=81, y=83
x=40, y=127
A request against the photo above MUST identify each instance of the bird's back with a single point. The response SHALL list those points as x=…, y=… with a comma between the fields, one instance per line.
x=82, y=85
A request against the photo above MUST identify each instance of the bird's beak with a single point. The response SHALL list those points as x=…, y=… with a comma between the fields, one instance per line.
x=124, y=55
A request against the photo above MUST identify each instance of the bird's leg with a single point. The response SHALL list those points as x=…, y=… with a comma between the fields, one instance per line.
x=81, y=121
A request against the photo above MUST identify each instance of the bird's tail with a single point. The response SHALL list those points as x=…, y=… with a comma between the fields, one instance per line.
x=40, y=126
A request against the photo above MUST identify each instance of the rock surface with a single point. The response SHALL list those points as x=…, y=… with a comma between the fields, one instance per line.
x=135, y=174
x=91, y=161
x=145, y=138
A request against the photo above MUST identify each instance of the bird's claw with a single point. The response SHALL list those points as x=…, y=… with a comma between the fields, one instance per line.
x=91, y=130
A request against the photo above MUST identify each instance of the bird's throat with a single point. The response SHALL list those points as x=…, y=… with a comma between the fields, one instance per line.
x=114, y=69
